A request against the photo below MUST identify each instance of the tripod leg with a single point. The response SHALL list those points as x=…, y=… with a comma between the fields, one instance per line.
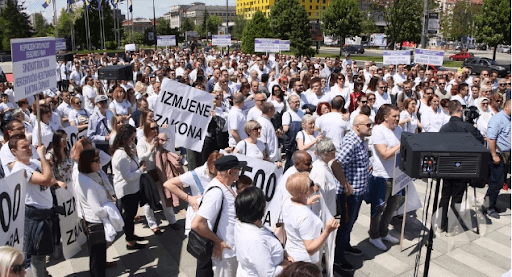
x=477, y=231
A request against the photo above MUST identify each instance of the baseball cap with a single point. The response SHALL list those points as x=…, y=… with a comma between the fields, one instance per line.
x=100, y=98
x=228, y=162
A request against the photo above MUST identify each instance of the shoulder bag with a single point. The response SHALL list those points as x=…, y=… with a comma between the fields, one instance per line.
x=199, y=247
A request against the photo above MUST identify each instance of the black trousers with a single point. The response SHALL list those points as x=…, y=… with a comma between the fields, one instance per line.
x=204, y=268
x=97, y=258
x=452, y=189
x=130, y=204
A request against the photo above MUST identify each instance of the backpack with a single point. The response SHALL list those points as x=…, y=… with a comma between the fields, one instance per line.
x=290, y=144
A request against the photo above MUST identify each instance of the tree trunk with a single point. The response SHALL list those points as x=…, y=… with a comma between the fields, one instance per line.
x=494, y=52
x=342, y=42
x=401, y=43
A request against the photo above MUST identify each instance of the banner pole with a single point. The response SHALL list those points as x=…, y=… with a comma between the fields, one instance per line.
x=39, y=135
x=404, y=215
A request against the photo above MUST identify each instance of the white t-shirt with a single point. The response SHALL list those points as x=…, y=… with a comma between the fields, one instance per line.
x=390, y=138
x=279, y=106
x=300, y=224
x=381, y=100
x=258, y=251
x=294, y=116
x=188, y=181
x=77, y=116
x=334, y=127
x=120, y=108
x=306, y=139
x=314, y=99
x=432, y=122
x=253, y=113
x=253, y=150
x=4, y=106
x=410, y=126
x=236, y=121
x=35, y=195
x=210, y=208
x=269, y=137
x=88, y=93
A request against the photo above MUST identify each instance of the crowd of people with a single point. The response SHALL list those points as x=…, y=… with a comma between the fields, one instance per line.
x=333, y=126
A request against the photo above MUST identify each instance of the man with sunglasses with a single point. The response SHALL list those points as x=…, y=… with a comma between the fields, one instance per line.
x=351, y=188
x=503, y=90
x=441, y=89
x=98, y=130
x=381, y=97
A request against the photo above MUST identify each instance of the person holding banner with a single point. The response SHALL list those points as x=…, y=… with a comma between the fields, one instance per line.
x=12, y=262
x=38, y=237
x=386, y=142
x=46, y=130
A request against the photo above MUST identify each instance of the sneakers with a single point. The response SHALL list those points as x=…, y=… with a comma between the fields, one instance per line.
x=341, y=267
x=378, y=244
x=390, y=239
x=353, y=251
x=492, y=213
x=135, y=246
x=454, y=232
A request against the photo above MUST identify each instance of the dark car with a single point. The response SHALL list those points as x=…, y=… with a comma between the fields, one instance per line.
x=353, y=49
x=478, y=64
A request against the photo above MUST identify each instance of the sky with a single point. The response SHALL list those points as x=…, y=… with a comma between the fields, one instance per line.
x=141, y=8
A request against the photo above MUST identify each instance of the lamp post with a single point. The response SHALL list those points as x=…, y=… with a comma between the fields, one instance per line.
x=154, y=23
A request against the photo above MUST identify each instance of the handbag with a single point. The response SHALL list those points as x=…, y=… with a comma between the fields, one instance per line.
x=95, y=233
x=199, y=247
x=279, y=231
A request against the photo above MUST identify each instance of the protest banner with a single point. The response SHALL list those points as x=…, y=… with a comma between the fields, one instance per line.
x=74, y=135
x=12, y=205
x=284, y=45
x=166, y=40
x=397, y=57
x=221, y=40
x=60, y=44
x=33, y=66
x=188, y=109
x=266, y=45
x=130, y=47
x=400, y=179
x=71, y=230
x=424, y=56
x=265, y=175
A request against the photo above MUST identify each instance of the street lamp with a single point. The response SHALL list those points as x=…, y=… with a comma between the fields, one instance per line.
x=154, y=23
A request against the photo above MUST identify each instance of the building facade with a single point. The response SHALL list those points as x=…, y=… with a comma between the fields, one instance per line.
x=139, y=25
x=196, y=10
x=247, y=8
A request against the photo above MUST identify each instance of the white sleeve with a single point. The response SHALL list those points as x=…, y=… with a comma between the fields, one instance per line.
x=286, y=118
x=211, y=204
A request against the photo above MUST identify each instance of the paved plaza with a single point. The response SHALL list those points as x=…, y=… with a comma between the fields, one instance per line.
x=465, y=254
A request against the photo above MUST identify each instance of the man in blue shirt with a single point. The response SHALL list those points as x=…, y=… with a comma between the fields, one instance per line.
x=498, y=135
x=354, y=160
x=99, y=129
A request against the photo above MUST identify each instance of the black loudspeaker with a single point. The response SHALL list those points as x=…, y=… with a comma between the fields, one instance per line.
x=65, y=57
x=116, y=72
x=443, y=155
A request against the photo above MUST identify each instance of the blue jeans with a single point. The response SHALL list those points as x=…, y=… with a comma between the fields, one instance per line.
x=496, y=182
x=353, y=204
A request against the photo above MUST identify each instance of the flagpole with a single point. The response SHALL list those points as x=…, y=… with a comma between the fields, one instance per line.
x=55, y=18
x=88, y=30
x=72, y=28
x=115, y=21
x=101, y=34
x=103, y=26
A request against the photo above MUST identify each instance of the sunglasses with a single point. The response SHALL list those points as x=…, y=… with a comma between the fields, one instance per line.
x=369, y=125
x=502, y=85
x=383, y=87
x=154, y=128
x=78, y=103
x=442, y=83
x=371, y=99
x=18, y=268
x=364, y=102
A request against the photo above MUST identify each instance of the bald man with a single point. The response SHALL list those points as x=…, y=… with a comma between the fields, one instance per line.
x=302, y=162
x=354, y=162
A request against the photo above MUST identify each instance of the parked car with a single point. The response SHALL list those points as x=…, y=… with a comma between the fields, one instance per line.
x=478, y=64
x=460, y=56
x=353, y=49
x=504, y=49
x=481, y=46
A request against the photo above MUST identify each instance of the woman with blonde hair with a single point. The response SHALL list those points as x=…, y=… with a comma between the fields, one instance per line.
x=12, y=262
x=307, y=138
x=140, y=90
x=251, y=146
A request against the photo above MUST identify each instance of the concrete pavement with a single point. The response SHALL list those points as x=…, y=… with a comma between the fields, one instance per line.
x=466, y=254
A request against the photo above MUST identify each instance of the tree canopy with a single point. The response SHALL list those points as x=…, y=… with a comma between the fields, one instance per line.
x=342, y=19
x=41, y=27
x=14, y=23
x=460, y=21
x=404, y=21
x=239, y=26
x=494, y=23
x=290, y=21
x=257, y=27
x=187, y=25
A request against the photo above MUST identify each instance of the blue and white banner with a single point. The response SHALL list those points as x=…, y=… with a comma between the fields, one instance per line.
x=397, y=57
x=424, y=56
x=266, y=45
x=166, y=40
x=221, y=40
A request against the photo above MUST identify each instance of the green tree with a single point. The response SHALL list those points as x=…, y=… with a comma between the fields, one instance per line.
x=64, y=23
x=494, y=23
x=163, y=27
x=188, y=25
x=13, y=24
x=134, y=37
x=290, y=21
x=202, y=29
x=342, y=19
x=257, y=27
x=239, y=26
x=403, y=21
x=94, y=25
x=41, y=27
x=460, y=21
x=212, y=24
x=368, y=26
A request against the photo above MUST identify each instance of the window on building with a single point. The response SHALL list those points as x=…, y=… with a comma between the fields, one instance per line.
x=318, y=1
x=309, y=13
x=323, y=7
x=324, y=1
x=310, y=7
x=317, y=7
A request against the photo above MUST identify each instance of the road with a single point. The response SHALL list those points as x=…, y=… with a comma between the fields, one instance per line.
x=501, y=58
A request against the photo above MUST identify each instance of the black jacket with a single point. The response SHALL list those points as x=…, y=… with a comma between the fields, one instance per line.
x=457, y=125
x=149, y=192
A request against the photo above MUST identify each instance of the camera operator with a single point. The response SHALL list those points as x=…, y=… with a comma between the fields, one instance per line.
x=454, y=188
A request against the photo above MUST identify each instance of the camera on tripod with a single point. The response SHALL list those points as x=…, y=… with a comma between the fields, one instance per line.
x=471, y=114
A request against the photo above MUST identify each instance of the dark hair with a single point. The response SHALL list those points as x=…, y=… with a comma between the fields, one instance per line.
x=282, y=92
x=454, y=106
x=264, y=77
x=245, y=85
x=301, y=269
x=86, y=159
x=444, y=103
x=431, y=98
x=13, y=142
x=315, y=80
x=55, y=145
x=250, y=205
x=461, y=86
x=244, y=179
x=9, y=127
x=266, y=107
x=373, y=83
x=338, y=103
x=122, y=137
x=366, y=110
x=407, y=102
x=147, y=129
x=383, y=111
x=360, y=98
